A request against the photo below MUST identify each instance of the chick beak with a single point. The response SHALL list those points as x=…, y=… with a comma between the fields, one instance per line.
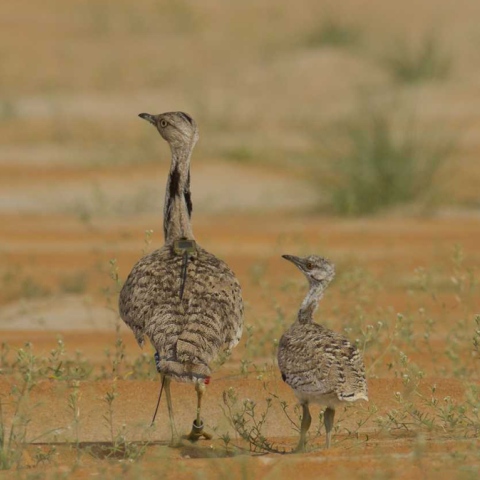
x=295, y=260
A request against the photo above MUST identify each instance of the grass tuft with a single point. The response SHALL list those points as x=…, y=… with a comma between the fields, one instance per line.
x=382, y=165
x=427, y=61
x=334, y=33
x=75, y=283
x=240, y=154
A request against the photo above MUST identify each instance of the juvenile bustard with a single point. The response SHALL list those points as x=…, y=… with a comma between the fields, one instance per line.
x=184, y=299
x=321, y=366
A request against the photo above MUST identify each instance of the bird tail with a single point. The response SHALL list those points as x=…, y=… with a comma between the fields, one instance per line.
x=184, y=372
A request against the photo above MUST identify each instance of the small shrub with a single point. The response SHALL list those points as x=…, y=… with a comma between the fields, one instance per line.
x=239, y=154
x=332, y=32
x=476, y=338
x=8, y=110
x=381, y=166
x=425, y=62
x=30, y=288
x=248, y=422
x=75, y=283
x=13, y=443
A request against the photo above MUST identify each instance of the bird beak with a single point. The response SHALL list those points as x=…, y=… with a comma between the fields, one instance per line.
x=291, y=258
x=149, y=118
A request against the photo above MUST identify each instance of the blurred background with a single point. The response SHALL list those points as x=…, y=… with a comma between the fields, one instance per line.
x=305, y=109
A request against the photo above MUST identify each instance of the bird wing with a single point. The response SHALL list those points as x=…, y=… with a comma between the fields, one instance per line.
x=192, y=329
x=141, y=293
x=214, y=305
x=318, y=361
x=301, y=366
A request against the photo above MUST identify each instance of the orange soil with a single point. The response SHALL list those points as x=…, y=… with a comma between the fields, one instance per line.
x=389, y=249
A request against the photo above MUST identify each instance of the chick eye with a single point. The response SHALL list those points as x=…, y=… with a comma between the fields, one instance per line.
x=309, y=265
x=163, y=123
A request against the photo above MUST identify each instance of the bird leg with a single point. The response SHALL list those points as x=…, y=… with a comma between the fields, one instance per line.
x=175, y=440
x=162, y=382
x=197, y=427
x=328, y=417
x=306, y=421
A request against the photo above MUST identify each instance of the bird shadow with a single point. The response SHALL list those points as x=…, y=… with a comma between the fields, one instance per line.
x=200, y=451
x=132, y=450
x=115, y=450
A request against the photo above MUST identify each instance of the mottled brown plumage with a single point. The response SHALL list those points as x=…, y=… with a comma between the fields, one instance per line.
x=187, y=333
x=187, y=302
x=321, y=366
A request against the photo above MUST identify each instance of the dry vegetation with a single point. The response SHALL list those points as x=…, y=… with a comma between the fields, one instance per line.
x=307, y=110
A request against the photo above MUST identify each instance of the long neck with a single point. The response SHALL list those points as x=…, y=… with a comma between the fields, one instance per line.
x=178, y=203
x=310, y=302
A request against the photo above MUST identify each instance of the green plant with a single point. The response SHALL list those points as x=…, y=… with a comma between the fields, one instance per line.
x=14, y=443
x=30, y=288
x=117, y=359
x=75, y=283
x=109, y=399
x=118, y=447
x=44, y=455
x=4, y=354
x=381, y=165
x=417, y=411
x=248, y=422
x=141, y=368
x=476, y=337
x=147, y=242
x=426, y=61
x=8, y=110
x=332, y=32
x=73, y=406
x=239, y=154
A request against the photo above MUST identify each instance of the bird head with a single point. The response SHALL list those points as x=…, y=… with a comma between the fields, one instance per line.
x=177, y=128
x=318, y=270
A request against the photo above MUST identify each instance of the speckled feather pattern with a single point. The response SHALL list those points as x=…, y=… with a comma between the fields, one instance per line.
x=321, y=365
x=189, y=333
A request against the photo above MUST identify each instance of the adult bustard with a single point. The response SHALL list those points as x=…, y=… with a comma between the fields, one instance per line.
x=184, y=299
x=321, y=366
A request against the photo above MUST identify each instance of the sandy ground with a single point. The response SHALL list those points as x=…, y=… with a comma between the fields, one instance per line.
x=390, y=249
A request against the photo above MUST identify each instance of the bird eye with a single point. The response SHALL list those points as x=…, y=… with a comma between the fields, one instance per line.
x=309, y=265
x=163, y=123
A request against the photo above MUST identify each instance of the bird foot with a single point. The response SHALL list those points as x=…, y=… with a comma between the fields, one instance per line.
x=300, y=448
x=198, y=432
